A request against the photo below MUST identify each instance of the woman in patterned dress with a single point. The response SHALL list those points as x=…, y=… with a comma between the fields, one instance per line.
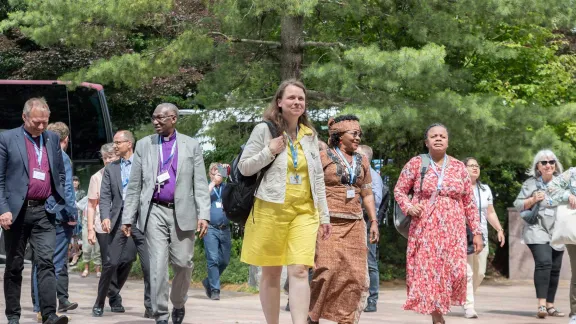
x=436, y=254
x=339, y=287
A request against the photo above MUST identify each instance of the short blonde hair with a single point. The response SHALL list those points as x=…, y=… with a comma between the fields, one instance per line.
x=59, y=128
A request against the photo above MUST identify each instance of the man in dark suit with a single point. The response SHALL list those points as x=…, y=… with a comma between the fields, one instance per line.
x=32, y=178
x=121, y=249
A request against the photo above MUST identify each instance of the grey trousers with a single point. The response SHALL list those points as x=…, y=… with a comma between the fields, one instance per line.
x=166, y=242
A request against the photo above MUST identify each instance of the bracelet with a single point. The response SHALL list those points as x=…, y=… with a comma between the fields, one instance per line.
x=374, y=221
x=500, y=230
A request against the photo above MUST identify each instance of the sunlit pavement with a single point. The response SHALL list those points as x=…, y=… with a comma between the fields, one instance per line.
x=502, y=302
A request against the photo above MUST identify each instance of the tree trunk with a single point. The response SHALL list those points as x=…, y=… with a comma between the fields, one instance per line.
x=291, y=37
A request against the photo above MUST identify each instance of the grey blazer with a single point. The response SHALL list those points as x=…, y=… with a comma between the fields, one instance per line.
x=111, y=193
x=191, y=197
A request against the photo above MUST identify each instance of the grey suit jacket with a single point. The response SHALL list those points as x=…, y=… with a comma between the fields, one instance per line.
x=111, y=200
x=191, y=197
x=14, y=171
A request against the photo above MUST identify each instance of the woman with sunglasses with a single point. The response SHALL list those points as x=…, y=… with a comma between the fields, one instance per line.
x=339, y=287
x=537, y=234
x=477, y=262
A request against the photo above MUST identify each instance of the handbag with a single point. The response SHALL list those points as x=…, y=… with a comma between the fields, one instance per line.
x=402, y=221
x=469, y=235
x=564, y=231
x=530, y=216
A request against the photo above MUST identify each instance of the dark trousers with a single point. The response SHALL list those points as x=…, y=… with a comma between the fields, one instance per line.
x=33, y=224
x=217, y=245
x=63, y=236
x=117, y=258
x=373, y=271
x=547, y=265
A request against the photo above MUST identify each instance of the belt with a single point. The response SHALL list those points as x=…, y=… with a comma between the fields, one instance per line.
x=163, y=203
x=34, y=203
x=220, y=227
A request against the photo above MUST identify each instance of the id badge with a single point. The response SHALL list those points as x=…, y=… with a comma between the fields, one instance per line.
x=39, y=175
x=219, y=204
x=163, y=177
x=295, y=179
x=350, y=193
x=433, y=198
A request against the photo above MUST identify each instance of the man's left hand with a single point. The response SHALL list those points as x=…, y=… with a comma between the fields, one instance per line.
x=202, y=228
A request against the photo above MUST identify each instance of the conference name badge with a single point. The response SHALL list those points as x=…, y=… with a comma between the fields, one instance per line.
x=163, y=177
x=218, y=204
x=39, y=175
x=350, y=193
x=295, y=179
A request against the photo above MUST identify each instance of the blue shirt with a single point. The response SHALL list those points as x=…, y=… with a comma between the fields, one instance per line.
x=377, y=186
x=217, y=216
x=69, y=213
x=125, y=168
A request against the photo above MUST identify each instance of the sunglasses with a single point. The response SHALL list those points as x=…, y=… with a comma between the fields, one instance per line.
x=355, y=133
x=552, y=162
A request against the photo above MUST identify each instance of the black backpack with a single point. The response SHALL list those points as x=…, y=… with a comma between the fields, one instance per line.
x=384, y=205
x=238, y=195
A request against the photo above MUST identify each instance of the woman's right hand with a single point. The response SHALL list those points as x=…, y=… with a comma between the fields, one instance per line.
x=277, y=145
x=91, y=237
x=572, y=201
x=539, y=196
x=416, y=210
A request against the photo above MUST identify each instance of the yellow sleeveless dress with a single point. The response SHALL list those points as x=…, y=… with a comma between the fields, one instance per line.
x=284, y=234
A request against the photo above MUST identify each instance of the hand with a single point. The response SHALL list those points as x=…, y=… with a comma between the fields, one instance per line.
x=202, y=228
x=106, y=225
x=572, y=201
x=501, y=238
x=72, y=223
x=374, y=233
x=478, y=243
x=6, y=220
x=325, y=231
x=126, y=229
x=539, y=196
x=91, y=237
x=217, y=179
x=277, y=145
x=416, y=210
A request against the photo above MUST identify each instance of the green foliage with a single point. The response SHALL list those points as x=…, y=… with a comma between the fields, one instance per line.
x=10, y=61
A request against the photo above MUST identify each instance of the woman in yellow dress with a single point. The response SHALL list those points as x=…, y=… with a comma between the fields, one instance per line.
x=290, y=202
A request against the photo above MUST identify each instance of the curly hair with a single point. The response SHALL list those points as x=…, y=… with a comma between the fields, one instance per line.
x=274, y=113
x=334, y=138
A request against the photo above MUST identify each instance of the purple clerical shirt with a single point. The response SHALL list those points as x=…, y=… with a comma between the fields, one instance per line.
x=168, y=188
x=38, y=189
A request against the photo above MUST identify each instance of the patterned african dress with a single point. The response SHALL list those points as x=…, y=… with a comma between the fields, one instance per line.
x=436, y=254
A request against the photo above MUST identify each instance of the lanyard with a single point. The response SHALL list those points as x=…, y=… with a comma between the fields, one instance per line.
x=550, y=202
x=479, y=201
x=218, y=193
x=293, y=149
x=162, y=162
x=38, y=150
x=351, y=169
x=441, y=175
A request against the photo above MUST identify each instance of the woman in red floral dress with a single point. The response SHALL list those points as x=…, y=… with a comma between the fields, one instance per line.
x=436, y=254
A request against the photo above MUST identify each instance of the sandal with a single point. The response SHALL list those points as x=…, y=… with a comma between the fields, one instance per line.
x=84, y=274
x=542, y=312
x=552, y=311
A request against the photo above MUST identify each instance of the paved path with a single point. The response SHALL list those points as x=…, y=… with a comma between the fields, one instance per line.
x=501, y=303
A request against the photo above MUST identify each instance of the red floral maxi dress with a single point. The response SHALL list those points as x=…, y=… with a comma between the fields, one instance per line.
x=436, y=254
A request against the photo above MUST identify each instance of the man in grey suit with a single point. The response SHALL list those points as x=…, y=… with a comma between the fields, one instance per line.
x=168, y=187
x=121, y=250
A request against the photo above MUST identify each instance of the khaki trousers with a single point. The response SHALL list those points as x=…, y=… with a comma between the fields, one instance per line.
x=475, y=273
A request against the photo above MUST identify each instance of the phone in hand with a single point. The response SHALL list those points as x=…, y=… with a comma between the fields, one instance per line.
x=223, y=171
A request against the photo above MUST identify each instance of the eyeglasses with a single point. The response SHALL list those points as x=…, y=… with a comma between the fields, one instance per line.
x=354, y=133
x=160, y=118
x=552, y=162
x=119, y=142
x=473, y=166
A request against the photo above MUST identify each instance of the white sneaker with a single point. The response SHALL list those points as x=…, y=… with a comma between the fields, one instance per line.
x=572, y=320
x=471, y=313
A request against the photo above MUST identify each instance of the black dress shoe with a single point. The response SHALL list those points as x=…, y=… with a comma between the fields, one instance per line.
x=97, y=311
x=161, y=322
x=55, y=319
x=148, y=313
x=117, y=309
x=178, y=315
x=14, y=321
x=66, y=306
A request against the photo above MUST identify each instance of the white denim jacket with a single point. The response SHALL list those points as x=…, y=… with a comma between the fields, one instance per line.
x=257, y=155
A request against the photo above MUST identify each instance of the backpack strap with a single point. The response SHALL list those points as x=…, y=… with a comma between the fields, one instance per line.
x=423, y=168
